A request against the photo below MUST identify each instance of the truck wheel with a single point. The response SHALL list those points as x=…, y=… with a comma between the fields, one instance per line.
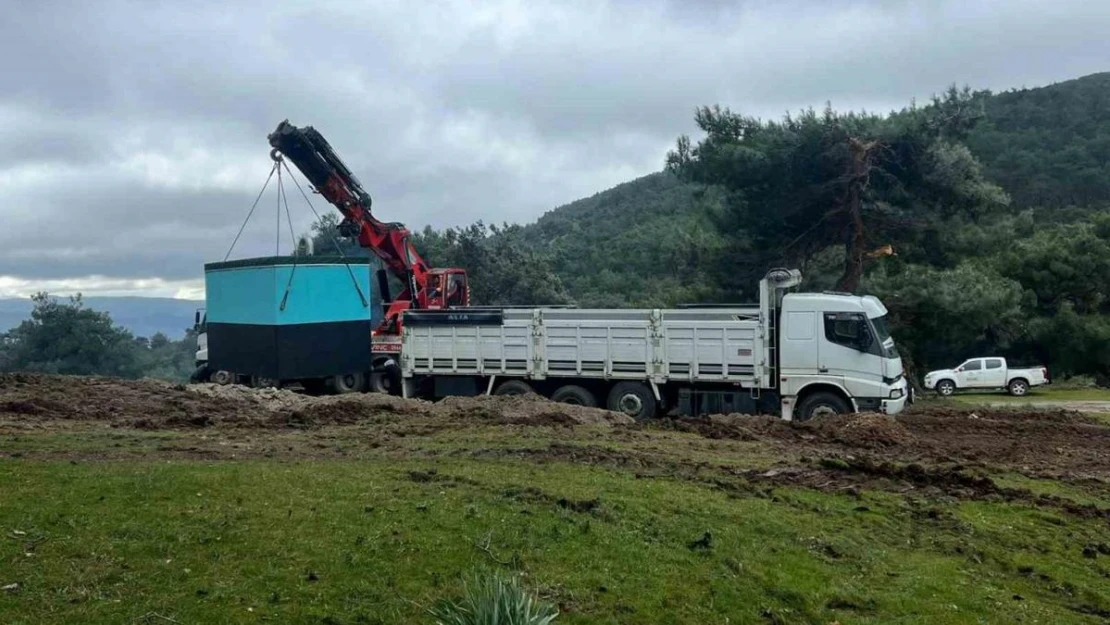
x=1018, y=387
x=821, y=405
x=945, y=388
x=348, y=383
x=574, y=395
x=634, y=399
x=201, y=374
x=264, y=382
x=386, y=378
x=513, y=387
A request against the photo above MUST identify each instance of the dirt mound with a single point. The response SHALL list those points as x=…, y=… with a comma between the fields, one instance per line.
x=526, y=410
x=266, y=398
x=145, y=403
x=854, y=430
x=718, y=427
x=867, y=430
x=149, y=404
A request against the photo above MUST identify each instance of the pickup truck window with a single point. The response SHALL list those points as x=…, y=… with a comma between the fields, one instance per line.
x=972, y=365
x=994, y=363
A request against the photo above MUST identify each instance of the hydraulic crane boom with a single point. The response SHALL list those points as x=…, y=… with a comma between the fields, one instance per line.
x=424, y=287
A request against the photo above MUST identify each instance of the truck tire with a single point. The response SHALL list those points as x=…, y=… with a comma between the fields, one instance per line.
x=513, y=387
x=200, y=375
x=386, y=378
x=1018, y=387
x=945, y=388
x=264, y=382
x=574, y=395
x=634, y=399
x=348, y=383
x=821, y=404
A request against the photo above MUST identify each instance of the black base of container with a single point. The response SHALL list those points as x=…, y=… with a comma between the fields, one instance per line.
x=290, y=352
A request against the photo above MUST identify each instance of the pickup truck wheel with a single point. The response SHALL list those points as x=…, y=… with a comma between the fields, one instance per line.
x=574, y=395
x=945, y=388
x=633, y=399
x=348, y=383
x=513, y=387
x=821, y=405
x=1018, y=387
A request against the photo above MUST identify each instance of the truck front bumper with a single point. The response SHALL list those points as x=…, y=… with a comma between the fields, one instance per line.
x=895, y=405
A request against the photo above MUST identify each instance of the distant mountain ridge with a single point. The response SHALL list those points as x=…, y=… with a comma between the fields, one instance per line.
x=143, y=316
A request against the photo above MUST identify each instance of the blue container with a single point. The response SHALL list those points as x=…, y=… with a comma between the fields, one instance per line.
x=290, y=318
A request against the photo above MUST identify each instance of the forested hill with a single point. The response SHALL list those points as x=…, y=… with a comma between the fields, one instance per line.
x=1049, y=147
x=636, y=244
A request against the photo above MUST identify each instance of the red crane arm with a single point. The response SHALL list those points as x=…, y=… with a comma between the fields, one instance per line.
x=316, y=159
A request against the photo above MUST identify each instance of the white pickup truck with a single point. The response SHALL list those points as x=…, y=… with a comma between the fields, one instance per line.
x=988, y=373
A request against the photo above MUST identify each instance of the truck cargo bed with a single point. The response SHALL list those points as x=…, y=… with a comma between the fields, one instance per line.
x=661, y=345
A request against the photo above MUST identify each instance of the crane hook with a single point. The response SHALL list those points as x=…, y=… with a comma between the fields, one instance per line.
x=275, y=155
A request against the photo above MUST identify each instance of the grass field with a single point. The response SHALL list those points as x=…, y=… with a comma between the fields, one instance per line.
x=1047, y=394
x=370, y=541
x=345, y=524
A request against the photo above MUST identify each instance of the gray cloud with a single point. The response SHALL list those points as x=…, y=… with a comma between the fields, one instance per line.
x=134, y=135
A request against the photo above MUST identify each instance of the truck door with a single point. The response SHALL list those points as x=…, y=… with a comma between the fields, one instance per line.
x=970, y=374
x=850, y=352
x=994, y=374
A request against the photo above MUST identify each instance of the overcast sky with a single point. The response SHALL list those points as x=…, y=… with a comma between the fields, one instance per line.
x=134, y=134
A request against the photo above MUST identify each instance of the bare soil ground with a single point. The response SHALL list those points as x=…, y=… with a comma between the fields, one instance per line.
x=147, y=404
x=933, y=449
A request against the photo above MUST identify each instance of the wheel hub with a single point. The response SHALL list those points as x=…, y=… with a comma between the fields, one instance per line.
x=631, y=405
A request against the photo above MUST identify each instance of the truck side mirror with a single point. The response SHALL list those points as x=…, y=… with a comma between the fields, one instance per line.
x=196, y=318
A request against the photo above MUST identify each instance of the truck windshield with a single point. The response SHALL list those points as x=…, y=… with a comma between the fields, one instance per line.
x=882, y=333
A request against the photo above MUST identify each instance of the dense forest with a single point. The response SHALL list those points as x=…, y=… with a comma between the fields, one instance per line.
x=996, y=208
x=982, y=220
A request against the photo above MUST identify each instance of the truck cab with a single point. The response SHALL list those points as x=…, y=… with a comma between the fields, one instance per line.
x=836, y=355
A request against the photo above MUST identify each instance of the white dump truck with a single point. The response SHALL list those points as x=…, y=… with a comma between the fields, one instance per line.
x=796, y=355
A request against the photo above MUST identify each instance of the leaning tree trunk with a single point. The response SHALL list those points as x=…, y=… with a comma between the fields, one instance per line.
x=856, y=244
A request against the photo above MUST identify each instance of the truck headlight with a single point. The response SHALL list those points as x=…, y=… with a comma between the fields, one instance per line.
x=896, y=393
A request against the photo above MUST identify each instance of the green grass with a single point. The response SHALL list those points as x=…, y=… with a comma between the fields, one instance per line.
x=1035, y=395
x=1096, y=493
x=377, y=540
